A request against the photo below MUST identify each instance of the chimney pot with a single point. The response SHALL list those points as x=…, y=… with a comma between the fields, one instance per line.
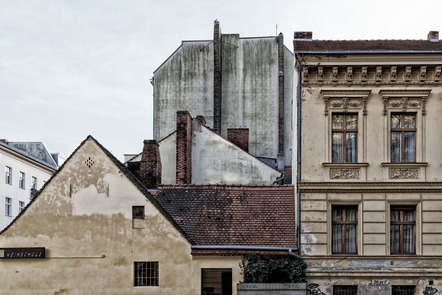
x=433, y=36
x=304, y=36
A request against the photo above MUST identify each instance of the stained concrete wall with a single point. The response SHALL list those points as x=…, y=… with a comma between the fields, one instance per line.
x=249, y=90
x=83, y=218
x=215, y=160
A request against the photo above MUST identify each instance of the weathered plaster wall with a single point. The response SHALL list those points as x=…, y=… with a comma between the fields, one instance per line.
x=184, y=82
x=83, y=218
x=215, y=160
x=167, y=148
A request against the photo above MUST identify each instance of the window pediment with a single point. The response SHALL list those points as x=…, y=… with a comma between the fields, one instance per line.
x=403, y=100
x=343, y=100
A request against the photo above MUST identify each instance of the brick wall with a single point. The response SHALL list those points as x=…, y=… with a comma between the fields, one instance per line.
x=240, y=137
x=183, y=148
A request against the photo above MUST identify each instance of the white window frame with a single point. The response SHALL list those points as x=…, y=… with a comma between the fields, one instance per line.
x=22, y=180
x=21, y=206
x=8, y=175
x=8, y=207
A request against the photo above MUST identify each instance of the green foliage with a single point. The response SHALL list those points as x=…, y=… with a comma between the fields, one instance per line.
x=259, y=269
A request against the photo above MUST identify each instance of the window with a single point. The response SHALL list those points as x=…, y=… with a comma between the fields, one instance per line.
x=345, y=290
x=34, y=182
x=403, y=137
x=138, y=212
x=344, y=229
x=8, y=206
x=402, y=230
x=402, y=290
x=344, y=138
x=146, y=273
x=216, y=281
x=21, y=180
x=21, y=206
x=8, y=175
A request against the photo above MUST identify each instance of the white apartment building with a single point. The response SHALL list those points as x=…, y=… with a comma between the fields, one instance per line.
x=26, y=166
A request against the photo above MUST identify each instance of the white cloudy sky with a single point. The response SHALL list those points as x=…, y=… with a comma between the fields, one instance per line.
x=70, y=68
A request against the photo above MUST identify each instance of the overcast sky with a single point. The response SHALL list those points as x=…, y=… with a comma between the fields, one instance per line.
x=73, y=68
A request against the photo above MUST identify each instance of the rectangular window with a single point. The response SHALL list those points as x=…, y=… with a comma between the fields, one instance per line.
x=21, y=206
x=138, y=212
x=402, y=290
x=34, y=183
x=216, y=281
x=8, y=175
x=146, y=273
x=403, y=230
x=344, y=138
x=344, y=229
x=21, y=180
x=403, y=137
x=345, y=290
x=8, y=206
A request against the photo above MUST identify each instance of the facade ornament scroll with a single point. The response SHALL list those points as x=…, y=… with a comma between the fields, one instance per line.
x=335, y=74
x=423, y=73
x=344, y=173
x=378, y=74
x=407, y=73
x=437, y=71
x=305, y=74
x=364, y=74
x=349, y=74
x=393, y=74
x=404, y=173
x=345, y=99
x=320, y=74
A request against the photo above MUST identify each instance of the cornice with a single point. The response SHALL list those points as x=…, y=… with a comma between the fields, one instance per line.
x=370, y=187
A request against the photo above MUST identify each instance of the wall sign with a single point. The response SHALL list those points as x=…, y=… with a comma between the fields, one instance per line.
x=22, y=253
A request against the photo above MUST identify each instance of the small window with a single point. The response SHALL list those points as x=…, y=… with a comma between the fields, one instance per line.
x=403, y=137
x=345, y=290
x=8, y=175
x=21, y=206
x=344, y=229
x=216, y=281
x=146, y=273
x=138, y=212
x=402, y=290
x=8, y=206
x=34, y=182
x=403, y=230
x=345, y=138
x=21, y=180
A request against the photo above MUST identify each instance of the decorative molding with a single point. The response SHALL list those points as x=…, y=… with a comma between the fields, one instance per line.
x=345, y=99
x=404, y=99
x=404, y=173
x=345, y=165
x=344, y=173
x=372, y=75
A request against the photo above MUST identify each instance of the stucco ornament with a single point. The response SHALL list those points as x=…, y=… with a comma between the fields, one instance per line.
x=404, y=173
x=313, y=289
x=344, y=173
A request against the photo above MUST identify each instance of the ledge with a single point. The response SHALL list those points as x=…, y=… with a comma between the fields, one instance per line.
x=405, y=165
x=344, y=165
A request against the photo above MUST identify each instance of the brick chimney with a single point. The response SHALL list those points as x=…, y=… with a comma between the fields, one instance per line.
x=148, y=170
x=433, y=36
x=240, y=137
x=217, y=77
x=4, y=141
x=183, y=147
x=304, y=36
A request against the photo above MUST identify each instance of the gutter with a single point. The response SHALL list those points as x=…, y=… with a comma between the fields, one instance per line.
x=236, y=247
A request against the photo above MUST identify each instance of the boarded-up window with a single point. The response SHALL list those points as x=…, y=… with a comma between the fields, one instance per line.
x=345, y=290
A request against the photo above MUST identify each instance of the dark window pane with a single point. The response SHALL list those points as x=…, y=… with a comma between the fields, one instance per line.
x=350, y=238
x=338, y=148
x=351, y=142
x=409, y=146
x=396, y=143
x=395, y=238
x=337, y=238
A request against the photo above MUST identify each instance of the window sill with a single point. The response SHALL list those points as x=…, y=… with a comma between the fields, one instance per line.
x=347, y=165
x=405, y=165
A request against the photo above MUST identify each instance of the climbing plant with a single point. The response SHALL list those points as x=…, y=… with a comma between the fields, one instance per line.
x=256, y=268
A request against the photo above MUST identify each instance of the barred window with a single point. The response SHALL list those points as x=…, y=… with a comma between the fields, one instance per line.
x=146, y=273
x=402, y=290
x=345, y=290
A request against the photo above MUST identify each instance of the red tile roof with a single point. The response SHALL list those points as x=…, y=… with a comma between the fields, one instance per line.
x=366, y=45
x=232, y=214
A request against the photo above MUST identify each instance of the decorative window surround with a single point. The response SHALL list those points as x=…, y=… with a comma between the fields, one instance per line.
x=345, y=99
x=403, y=100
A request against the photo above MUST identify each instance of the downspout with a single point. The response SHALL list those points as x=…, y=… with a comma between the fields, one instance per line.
x=279, y=179
x=298, y=174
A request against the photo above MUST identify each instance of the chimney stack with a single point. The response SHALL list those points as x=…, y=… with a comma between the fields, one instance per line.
x=239, y=137
x=433, y=36
x=307, y=36
x=183, y=147
x=148, y=170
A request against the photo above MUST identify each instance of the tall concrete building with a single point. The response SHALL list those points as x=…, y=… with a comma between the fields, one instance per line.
x=233, y=82
x=370, y=165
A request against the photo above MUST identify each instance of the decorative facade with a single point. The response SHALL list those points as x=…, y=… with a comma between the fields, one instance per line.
x=370, y=165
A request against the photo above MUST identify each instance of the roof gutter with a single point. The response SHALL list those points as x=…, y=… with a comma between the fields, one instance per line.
x=368, y=51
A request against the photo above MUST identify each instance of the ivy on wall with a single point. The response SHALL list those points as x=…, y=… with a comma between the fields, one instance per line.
x=257, y=268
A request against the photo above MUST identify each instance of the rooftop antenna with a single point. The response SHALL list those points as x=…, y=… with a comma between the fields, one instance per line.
x=276, y=33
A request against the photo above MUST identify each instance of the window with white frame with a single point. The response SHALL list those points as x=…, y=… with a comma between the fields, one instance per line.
x=8, y=206
x=34, y=183
x=21, y=206
x=21, y=180
x=8, y=175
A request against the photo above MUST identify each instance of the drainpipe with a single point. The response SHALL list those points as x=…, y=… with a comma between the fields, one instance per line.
x=279, y=179
x=298, y=176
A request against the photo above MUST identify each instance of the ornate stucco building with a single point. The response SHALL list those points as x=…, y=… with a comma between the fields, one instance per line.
x=370, y=164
